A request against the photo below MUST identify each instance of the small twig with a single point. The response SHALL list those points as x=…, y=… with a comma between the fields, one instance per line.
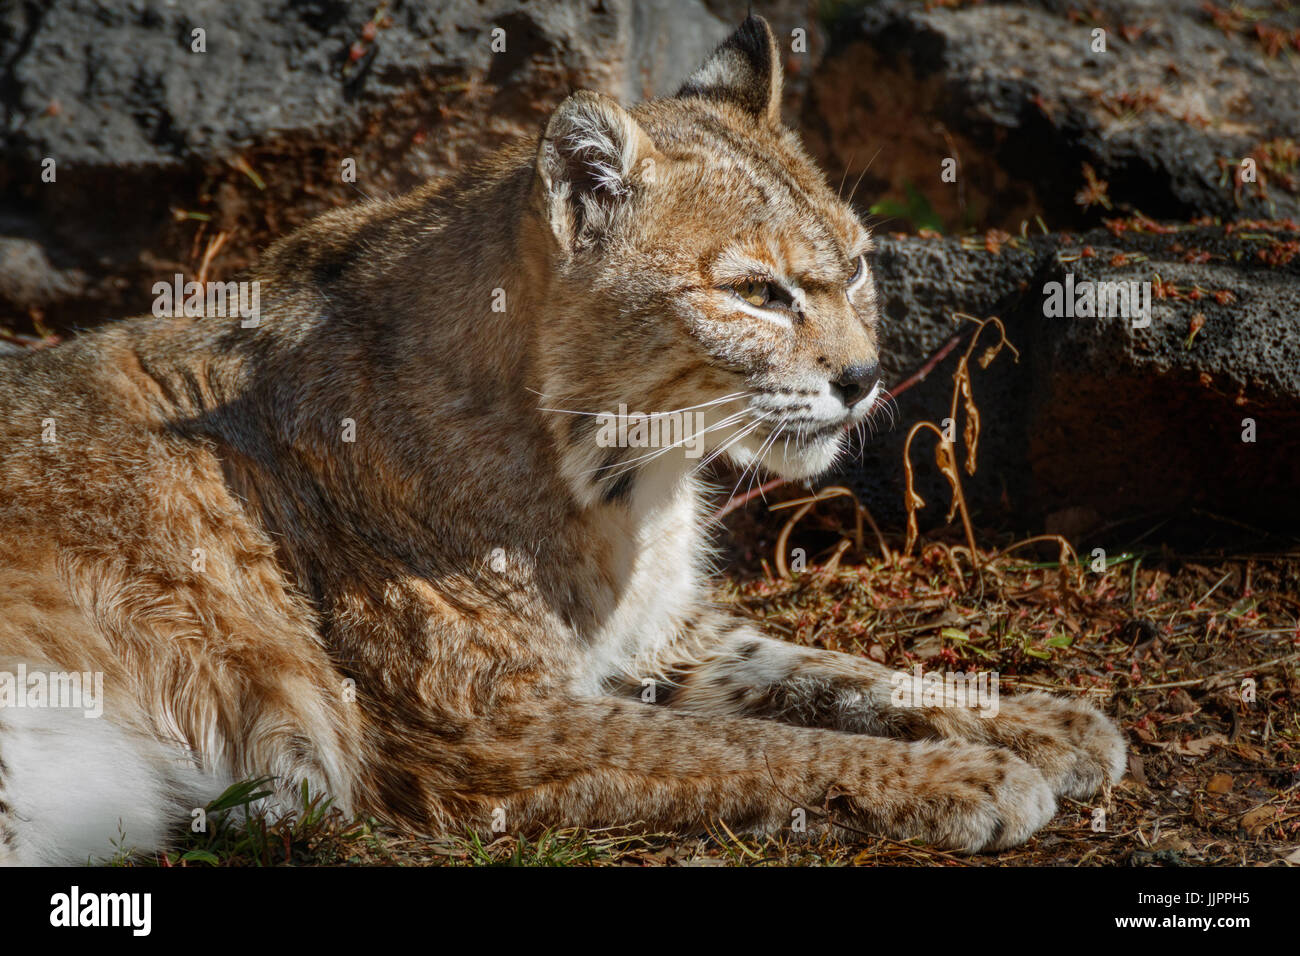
x=1208, y=677
x=928, y=366
x=214, y=246
x=28, y=341
x=899, y=843
x=741, y=500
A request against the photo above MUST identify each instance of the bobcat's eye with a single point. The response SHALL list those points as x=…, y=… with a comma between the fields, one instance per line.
x=859, y=274
x=755, y=293
x=763, y=294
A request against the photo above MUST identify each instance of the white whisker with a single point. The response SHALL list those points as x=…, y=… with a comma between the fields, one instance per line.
x=721, y=449
x=651, y=415
x=629, y=464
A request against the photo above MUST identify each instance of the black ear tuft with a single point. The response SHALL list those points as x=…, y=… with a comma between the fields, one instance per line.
x=745, y=70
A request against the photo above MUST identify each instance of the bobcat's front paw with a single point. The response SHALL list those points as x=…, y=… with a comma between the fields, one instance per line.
x=957, y=796
x=1078, y=748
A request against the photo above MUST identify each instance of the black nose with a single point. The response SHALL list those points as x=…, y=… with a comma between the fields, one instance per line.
x=856, y=382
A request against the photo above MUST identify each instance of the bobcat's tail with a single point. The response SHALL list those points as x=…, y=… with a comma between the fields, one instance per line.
x=77, y=788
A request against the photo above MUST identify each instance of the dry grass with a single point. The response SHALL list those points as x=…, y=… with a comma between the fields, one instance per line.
x=1168, y=646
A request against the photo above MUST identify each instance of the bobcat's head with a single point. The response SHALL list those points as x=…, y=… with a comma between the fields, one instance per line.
x=699, y=264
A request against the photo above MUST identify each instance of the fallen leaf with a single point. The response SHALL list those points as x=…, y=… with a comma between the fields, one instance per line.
x=1199, y=747
x=927, y=647
x=1171, y=842
x=1189, y=748
x=1147, y=736
x=1219, y=783
x=1136, y=769
x=1257, y=819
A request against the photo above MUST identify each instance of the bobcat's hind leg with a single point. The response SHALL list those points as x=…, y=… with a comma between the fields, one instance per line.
x=734, y=670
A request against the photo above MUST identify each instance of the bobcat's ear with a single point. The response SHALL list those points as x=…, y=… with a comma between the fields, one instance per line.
x=592, y=155
x=745, y=70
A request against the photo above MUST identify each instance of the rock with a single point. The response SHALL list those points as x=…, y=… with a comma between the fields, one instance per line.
x=1200, y=410
x=1015, y=92
x=924, y=284
x=29, y=280
x=1097, y=422
x=160, y=149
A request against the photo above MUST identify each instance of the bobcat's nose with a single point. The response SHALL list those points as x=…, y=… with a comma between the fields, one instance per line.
x=856, y=383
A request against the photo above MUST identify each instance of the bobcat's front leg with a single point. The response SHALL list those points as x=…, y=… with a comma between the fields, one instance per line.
x=735, y=670
x=595, y=762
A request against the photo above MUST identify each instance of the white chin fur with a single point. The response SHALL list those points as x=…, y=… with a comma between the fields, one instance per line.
x=793, y=462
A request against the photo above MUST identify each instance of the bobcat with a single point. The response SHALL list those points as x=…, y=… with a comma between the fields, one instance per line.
x=371, y=542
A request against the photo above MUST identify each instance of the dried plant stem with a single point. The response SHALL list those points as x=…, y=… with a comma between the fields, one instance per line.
x=805, y=505
x=214, y=246
x=945, y=451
